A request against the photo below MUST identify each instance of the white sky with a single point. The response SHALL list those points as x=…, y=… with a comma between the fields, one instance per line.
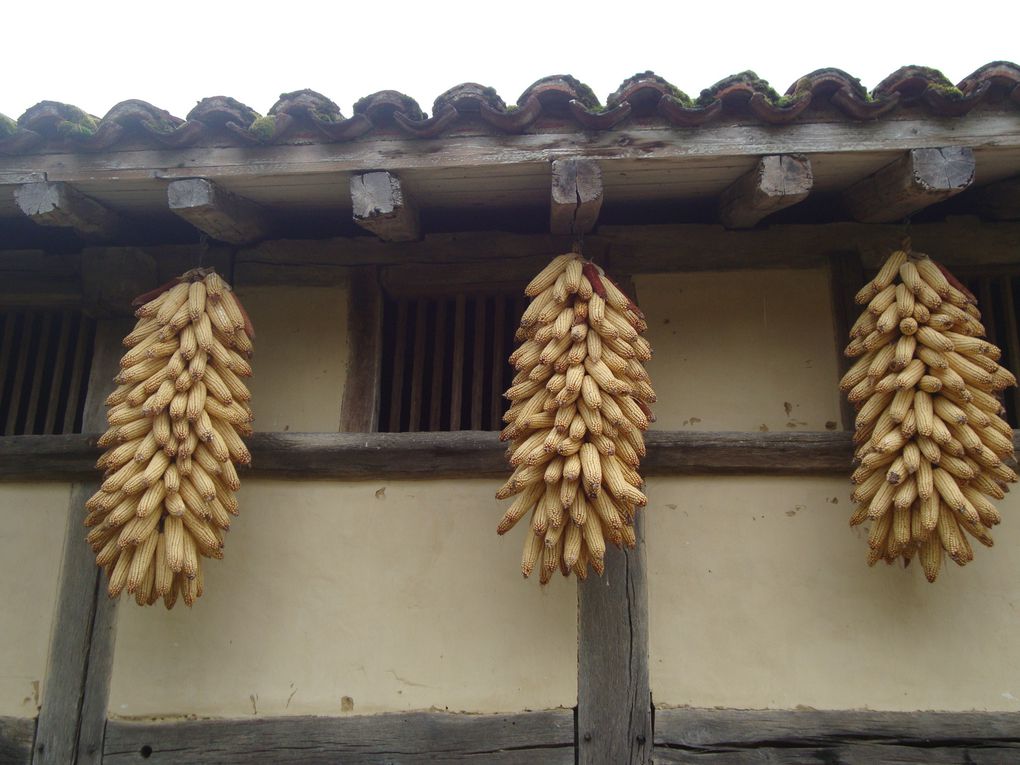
x=175, y=52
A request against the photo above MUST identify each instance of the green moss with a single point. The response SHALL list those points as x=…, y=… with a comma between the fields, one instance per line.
x=7, y=126
x=949, y=91
x=263, y=128
x=80, y=124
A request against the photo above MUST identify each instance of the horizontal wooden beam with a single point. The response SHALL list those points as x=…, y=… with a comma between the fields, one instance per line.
x=355, y=456
x=919, y=178
x=740, y=737
x=381, y=205
x=401, y=739
x=1000, y=201
x=576, y=196
x=213, y=210
x=16, y=734
x=776, y=182
x=61, y=205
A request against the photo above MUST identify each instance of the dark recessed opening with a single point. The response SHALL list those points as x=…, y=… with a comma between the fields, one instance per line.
x=146, y=752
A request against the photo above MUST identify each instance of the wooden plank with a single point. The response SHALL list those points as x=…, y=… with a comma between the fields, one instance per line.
x=112, y=277
x=614, y=706
x=33, y=278
x=359, y=411
x=438, y=365
x=1000, y=201
x=457, y=375
x=576, y=196
x=850, y=737
x=60, y=362
x=383, y=207
x=356, y=456
x=63, y=206
x=846, y=275
x=223, y=215
x=399, y=351
x=35, y=390
x=1012, y=338
x=499, y=360
x=778, y=181
x=20, y=368
x=16, y=740
x=395, y=739
x=81, y=344
x=76, y=690
x=478, y=364
x=918, y=179
x=418, y=364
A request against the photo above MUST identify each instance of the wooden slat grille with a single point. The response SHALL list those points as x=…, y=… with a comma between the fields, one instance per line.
x=44, y=355
x=444, y=361
x=997, y=299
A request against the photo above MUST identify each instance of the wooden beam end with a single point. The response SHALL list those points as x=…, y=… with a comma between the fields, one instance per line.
x=776, y=182
x=381, y=205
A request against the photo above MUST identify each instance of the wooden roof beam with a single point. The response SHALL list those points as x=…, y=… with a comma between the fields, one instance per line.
x=221, y=214
x=60, y=204
x=919, y=178
x=776, y=182
x=1000, y=201
x=576, y=196
x=382, y=206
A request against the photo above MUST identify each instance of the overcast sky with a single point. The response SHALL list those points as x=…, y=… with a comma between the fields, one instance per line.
x=174, y=53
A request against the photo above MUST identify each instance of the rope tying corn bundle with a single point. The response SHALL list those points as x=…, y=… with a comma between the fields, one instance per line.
x=930, y=437
x=578, y=407
x=175, y=421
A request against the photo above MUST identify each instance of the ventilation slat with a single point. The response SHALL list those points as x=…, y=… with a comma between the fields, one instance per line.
x=498, y=360
x=6, y=352
x=457, y=374
x=59, y=364
x=418, y=365
x=24, y=343
x=1011, y=342
x=438, y=367
x=478, y=370
x=32, y=412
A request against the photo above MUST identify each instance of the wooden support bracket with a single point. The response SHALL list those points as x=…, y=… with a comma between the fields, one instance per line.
x=382, y=207
x=61, y=205
x=1000, y=201
x=576, y=196
x=919, y=178
x=776, y=182
x=221, y=214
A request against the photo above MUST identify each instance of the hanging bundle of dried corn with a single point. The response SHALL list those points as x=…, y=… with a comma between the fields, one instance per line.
x=930, y=437
x=578, y=406
x=175, y=420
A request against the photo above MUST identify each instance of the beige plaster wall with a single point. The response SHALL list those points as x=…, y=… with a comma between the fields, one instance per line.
x=361, y=597
x=760, y=598
x=33, y=518
x=300, y=356
x=742, y=350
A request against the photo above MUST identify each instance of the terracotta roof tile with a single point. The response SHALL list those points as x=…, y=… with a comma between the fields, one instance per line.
x=560, y=101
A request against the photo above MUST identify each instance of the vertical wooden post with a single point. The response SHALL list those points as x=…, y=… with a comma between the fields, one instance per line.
x=847, y=277
x=614, y=705
x=359, y=412
x=76, y=690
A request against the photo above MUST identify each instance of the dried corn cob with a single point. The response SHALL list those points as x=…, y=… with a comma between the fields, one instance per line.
x=174, y=437
x=580, y=378
x=931, y=439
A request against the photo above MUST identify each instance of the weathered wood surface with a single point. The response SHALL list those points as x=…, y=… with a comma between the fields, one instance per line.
x=992, y=131
x=919, y=178
x=16, y=740
x=576, y=196
x=1000, y=201
x=395, y=739
x=213, y=210
x=846, y=277
x=359, y=411
x=382, y=206
x=36, y=278
x=614, y=707
x=741, y=737
x=75, y=694
x=776, y=182
x=61, y=205
x=355, y=456
x=112, y=277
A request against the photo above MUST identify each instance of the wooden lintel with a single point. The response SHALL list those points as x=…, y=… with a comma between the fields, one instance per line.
x=221, y=214
x=61, y=205
x=112, y=277
x=576, y=196
x=776, y=182
x=1000, y=201
x=919, y=178
x=382, y=206
x=359, y=412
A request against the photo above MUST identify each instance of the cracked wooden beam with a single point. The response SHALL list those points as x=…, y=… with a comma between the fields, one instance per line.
x=919, y=178
x=776, y=182
x=213, y=210
x=576, y=196
x=1000, y=201
x=61, y=205
x=383, y=207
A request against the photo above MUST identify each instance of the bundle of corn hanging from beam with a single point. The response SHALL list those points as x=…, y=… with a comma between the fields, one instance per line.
x=578, y=406
x=931, y=442
x=175, y=422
